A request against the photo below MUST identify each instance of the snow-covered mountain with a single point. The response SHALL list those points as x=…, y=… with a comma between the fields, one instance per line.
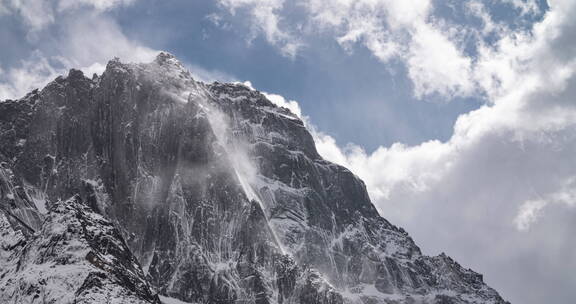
x=142, y=185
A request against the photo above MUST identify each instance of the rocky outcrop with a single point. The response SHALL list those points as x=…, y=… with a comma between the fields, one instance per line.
x=220, y=195
x=76, y=256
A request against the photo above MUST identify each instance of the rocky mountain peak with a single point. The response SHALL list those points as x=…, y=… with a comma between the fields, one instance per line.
x=200, y=193
x=164, y=57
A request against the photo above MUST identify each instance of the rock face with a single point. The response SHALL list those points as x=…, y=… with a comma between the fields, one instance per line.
x=76, y=256
x=219, y=194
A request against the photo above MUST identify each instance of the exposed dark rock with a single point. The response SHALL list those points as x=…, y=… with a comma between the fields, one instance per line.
x=219, y=194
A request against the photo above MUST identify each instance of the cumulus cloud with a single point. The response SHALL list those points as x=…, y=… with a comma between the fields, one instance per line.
x=266, y=20
x=436, y=65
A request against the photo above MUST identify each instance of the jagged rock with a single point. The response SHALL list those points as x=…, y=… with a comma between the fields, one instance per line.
x=76, y=256
x=220, y=194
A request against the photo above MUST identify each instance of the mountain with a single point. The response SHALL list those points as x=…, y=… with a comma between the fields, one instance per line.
x=143, y=185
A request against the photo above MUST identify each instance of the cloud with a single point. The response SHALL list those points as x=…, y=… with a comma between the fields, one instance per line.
x=37, y=14
x=100, y=5
x=31, y=74
x=478, y=9
x=528, y=213
x=84, y=35
x=531, y=210
x=265, y=20
x=75, y=41
x=436, y=65
x=526, y=7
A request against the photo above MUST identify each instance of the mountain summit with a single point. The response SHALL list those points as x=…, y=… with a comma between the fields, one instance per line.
x=143, y=185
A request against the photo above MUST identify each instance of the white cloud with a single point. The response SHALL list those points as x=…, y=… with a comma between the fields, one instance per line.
x=101, y=5
x=266, y=20
x=400, y=30
x=478, y=9
x=41, y=13
x=31, y=74
x=528, y=213
x=435, y=65
x=525, y=6
x=530, y=210
x=84, y=36
x=35, y=13
x=79, y=44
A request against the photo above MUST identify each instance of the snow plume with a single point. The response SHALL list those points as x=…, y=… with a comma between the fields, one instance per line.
x=238, y=153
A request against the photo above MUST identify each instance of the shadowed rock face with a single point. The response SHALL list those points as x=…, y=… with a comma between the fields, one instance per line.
x=219, y=194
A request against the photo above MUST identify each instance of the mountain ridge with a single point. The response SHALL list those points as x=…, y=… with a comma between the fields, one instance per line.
x=218, y=193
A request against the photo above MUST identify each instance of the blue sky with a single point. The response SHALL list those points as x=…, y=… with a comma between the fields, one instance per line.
x=459, y=115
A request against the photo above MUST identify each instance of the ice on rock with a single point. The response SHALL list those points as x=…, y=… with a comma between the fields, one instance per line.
x=76, y=257
x=218, y=193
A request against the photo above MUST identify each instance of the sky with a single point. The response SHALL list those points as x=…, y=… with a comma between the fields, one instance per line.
x=459, y=115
